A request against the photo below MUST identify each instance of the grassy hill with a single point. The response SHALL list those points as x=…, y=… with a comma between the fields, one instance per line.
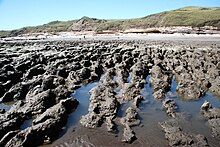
x=186, y=16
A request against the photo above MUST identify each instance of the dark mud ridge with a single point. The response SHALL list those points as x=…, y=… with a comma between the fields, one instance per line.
x=38, y=79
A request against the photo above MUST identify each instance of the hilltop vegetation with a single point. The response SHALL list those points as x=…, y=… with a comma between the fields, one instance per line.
x=187, y=16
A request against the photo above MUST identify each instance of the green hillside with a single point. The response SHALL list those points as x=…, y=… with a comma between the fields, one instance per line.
x=187, y=16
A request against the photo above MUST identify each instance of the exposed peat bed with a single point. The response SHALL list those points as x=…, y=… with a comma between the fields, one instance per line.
x=109, y=93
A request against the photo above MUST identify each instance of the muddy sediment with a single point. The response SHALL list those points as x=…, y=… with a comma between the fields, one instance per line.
x=37, y=80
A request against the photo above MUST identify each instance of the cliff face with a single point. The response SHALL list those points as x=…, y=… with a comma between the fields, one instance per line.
x=195, y=17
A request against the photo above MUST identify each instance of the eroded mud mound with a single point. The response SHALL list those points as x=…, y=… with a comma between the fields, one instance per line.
x=37, y=79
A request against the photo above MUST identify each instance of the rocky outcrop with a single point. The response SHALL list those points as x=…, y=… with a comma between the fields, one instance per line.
x=46, y=126
x=35, y=77
x=128, y=135
x=160, y=81
x=103, y=105
x=12, y=119
x=196, y=72
x=170, y=107
x=213, y=116
x=177, y=137
x=121, y=75
x=130, y=119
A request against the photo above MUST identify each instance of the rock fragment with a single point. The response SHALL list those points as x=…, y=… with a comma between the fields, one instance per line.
x=170, y=106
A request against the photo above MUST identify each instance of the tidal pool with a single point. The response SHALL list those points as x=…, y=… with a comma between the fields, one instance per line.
x=5, y=106
x=151, y=113
x=82, y=95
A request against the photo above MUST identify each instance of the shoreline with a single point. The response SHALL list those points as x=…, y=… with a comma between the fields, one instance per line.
x=133, y=36
x=189, y=39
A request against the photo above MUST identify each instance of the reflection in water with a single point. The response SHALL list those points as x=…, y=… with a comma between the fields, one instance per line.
x=193, y=106
x=190, y=109
x=129, y=78
x=4, y=106
x=82, y=95
x=151, y=112
x=191, y=121
x=149, y=101
x=26, y=124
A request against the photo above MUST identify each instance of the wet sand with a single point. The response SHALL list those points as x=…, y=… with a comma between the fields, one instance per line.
x=201, y=39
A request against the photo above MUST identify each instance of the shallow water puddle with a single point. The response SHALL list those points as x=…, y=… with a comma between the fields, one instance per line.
x=151, y=113
x=193, y=121
x=149, y=133
x=123, y=107
x=129, y=78
x=26, y=124
x=192, y=106
x=114, y=78
x=5, y=106
x=82, y=95
x=124, y=104
x=149, y=100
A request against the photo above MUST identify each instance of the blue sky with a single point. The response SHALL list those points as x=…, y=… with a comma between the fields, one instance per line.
x=19, y=13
